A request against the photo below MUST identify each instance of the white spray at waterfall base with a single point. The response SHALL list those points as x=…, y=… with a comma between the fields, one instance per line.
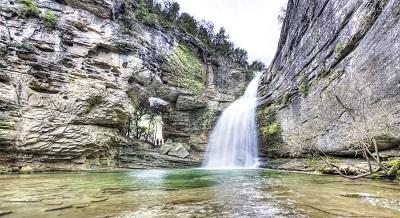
x=233, y=142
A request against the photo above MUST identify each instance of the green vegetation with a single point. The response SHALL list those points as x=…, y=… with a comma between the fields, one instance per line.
x=124, y=45
x=378, y=175
x=21, y=46
x=166, y=14
x=304, y=86
x=271, y=129
x=26, y=170
x=29, y=8
x=394, y=165
x=339, y=48
x=50, y=18
x=143, y=14
x=189, y=72
x=203, y=117
x=285, y=97
x=187, y=23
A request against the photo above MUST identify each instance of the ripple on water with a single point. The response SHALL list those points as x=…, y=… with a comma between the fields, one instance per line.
x=195, y=193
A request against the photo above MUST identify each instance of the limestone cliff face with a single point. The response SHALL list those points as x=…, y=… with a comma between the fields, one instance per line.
x=67, y=93
x=335, y=79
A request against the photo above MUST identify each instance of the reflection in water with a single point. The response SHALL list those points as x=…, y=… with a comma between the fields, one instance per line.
x=194, y=193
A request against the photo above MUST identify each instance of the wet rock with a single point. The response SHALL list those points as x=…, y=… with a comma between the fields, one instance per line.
x=389, y=153
x=59, y=208
x=53, y=202
x=113, y=191
x=179, y=150
x=5, y=212
x=358, y=195
x=25, y=200
x=99, y=200
x=81, y=205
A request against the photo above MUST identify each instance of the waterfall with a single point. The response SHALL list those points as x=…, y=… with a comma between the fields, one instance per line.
x=233, y=142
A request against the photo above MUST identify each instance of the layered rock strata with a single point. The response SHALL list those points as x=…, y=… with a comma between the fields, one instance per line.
x=334, y=82
x=67, y=92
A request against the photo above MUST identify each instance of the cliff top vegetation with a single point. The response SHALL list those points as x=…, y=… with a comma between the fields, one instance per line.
x=166, y=14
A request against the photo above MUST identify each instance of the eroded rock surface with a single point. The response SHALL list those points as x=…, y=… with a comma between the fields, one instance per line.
x=334, y=80
x=67, y=93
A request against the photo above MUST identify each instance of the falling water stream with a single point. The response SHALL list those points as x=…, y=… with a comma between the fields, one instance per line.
x=233, y=142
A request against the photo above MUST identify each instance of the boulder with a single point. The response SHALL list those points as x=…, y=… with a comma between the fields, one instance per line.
x=187, y=102
x=179, y=151
x=26, y=170
x=166, y=148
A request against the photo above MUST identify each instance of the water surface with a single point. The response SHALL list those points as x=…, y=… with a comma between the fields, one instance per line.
x=195, y=193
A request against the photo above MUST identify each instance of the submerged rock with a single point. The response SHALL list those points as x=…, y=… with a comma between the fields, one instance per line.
x=358, y=195
x=59, y=208
x=5, y=212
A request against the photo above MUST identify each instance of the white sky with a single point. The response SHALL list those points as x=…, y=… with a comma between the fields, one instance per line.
x=251, y=24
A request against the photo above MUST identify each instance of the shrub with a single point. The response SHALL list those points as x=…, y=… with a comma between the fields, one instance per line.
x=26, y=47
x=271, y=129
x=124, y=45
x=29, y=8
x=50, y=18
x=143, y=14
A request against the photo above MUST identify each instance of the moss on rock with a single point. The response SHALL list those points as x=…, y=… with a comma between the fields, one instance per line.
x=378, y=175
x=189, y=72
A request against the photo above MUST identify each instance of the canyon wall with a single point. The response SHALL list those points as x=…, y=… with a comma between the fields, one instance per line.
x=68, y=91
x=335, y=80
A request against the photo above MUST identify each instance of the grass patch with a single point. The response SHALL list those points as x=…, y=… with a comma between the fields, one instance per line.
x=21, y=46
x=50, y=18
x=29, y=8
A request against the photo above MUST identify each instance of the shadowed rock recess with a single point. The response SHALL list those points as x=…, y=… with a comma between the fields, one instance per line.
x=334, y=81
x=67, y=92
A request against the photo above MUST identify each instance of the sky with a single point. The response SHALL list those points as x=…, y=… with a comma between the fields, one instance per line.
x=251, y=24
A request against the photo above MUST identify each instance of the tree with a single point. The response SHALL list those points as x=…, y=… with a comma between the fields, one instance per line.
x=282, y=14
x=206, y=32
x=222, y=44
x=240, y=56
x=144, y=112
x=258, y=65
x=187, y=23
x=144, y=13
x=171, y=11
